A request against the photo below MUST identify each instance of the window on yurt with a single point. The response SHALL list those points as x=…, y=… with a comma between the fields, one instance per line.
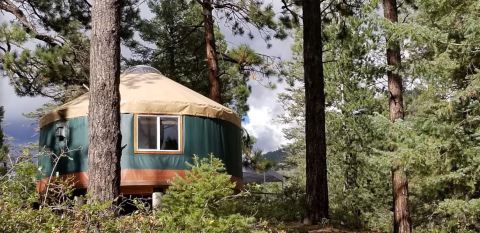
x=147, y=133
x=158, y=133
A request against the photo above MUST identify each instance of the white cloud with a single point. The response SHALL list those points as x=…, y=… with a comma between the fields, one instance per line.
x=264, y=105
x=263, y=124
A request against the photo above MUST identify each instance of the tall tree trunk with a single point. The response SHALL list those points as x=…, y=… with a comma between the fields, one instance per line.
x=401, y=215
x=2, y=113
x=171, y=50
x=104, y=149
x=316, y=154
x=215, y=93
x=395, y=86
x=3, y=149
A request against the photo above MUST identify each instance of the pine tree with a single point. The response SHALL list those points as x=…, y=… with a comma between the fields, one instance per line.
x=104, y=149
x=442, y=39
x=347, y=67
x=401, y=213
x=316, y=148
x=44, y=48
x=238, y=13
x=175, y=41
x=210, y=48
x=438, y=139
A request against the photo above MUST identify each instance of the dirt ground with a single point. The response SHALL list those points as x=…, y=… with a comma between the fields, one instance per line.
x=301, y=228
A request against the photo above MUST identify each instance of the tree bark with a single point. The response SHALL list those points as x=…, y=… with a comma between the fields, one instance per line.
x=401, y=219
x=104, y=149
x=395, y=86
x=2, y=112
x=316, y=159
x=214, y=80
x=401, y=215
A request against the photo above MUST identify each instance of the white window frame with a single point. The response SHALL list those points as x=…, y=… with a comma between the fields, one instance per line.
x=158, y=150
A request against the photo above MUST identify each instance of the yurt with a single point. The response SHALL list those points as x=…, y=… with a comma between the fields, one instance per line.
x=163, y=124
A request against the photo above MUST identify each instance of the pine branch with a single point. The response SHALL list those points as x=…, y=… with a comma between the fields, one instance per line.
x=8, y=6
x=286, y=6
x=225, y=57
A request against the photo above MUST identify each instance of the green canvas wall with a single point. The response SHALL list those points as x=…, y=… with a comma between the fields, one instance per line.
x=202, y=136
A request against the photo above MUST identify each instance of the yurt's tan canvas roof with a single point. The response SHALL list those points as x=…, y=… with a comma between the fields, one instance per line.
x=150, y=93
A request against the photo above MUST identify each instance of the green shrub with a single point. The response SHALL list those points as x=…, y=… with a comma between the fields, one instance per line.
x=18, y=185
x=202, y=200
x=272, y=202
x=456, y=216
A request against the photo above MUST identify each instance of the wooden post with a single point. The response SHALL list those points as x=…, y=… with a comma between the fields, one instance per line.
x=157, y=201
x=79, y=200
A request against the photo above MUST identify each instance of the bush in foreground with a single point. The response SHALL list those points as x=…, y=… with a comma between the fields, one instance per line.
x=199, y=202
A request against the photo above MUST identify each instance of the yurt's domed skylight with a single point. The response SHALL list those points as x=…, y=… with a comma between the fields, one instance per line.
x=141, y=69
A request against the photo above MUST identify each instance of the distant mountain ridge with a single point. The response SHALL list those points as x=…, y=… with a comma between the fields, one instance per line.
x=21, y=131
x=277, y=156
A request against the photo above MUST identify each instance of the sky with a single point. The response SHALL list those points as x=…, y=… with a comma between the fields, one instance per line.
x=263, y=101
x=17, y=127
